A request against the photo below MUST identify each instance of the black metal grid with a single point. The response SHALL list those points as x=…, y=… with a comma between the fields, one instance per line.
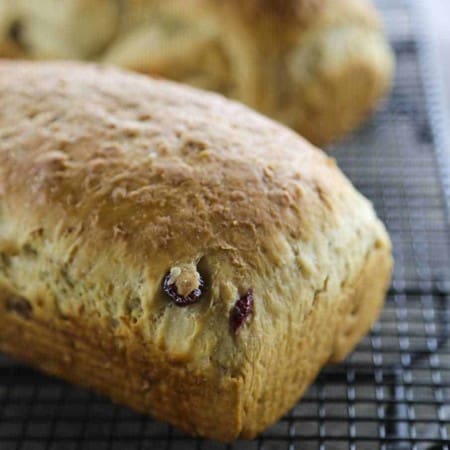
x=393, y=392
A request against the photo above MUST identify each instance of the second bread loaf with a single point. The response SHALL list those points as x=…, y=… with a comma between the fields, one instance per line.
x=319, y=66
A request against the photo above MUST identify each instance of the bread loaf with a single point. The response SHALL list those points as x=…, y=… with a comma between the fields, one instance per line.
x=319, y=66
x=175, y=250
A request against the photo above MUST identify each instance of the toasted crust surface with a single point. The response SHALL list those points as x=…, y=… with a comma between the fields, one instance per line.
x=110, y=181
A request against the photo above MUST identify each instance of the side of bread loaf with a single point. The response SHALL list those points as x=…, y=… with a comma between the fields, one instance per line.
x=122, y=198
x=319, y=66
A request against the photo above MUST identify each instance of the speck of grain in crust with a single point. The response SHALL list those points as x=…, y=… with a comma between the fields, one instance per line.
x=131, y=132
x=282, y=197
x=268, y=173
x=143, y=117
x=119, y=193
x=119, y=231
x=109, y=151
x=97, y=164
x=324, y=198
x=53, y=160
x=194, y=146
x=237, y=196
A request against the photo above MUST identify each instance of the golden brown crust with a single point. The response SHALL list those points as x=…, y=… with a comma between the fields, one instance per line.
x=109, y=181
x=125, y=179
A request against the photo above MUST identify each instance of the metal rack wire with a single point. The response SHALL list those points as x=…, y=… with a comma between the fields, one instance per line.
x=393, y=392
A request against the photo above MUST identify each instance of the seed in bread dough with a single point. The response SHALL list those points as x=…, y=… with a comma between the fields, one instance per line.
x=183, y=284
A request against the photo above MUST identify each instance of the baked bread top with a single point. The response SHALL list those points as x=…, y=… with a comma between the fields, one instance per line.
x=121, y=169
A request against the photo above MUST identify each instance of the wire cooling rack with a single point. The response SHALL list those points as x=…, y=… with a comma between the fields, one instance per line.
x=393, y=392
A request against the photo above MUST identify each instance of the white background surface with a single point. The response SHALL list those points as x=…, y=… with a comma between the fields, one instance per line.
x=439, y=23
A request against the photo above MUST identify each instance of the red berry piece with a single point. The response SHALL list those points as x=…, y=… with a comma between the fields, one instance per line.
x=241, y=311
